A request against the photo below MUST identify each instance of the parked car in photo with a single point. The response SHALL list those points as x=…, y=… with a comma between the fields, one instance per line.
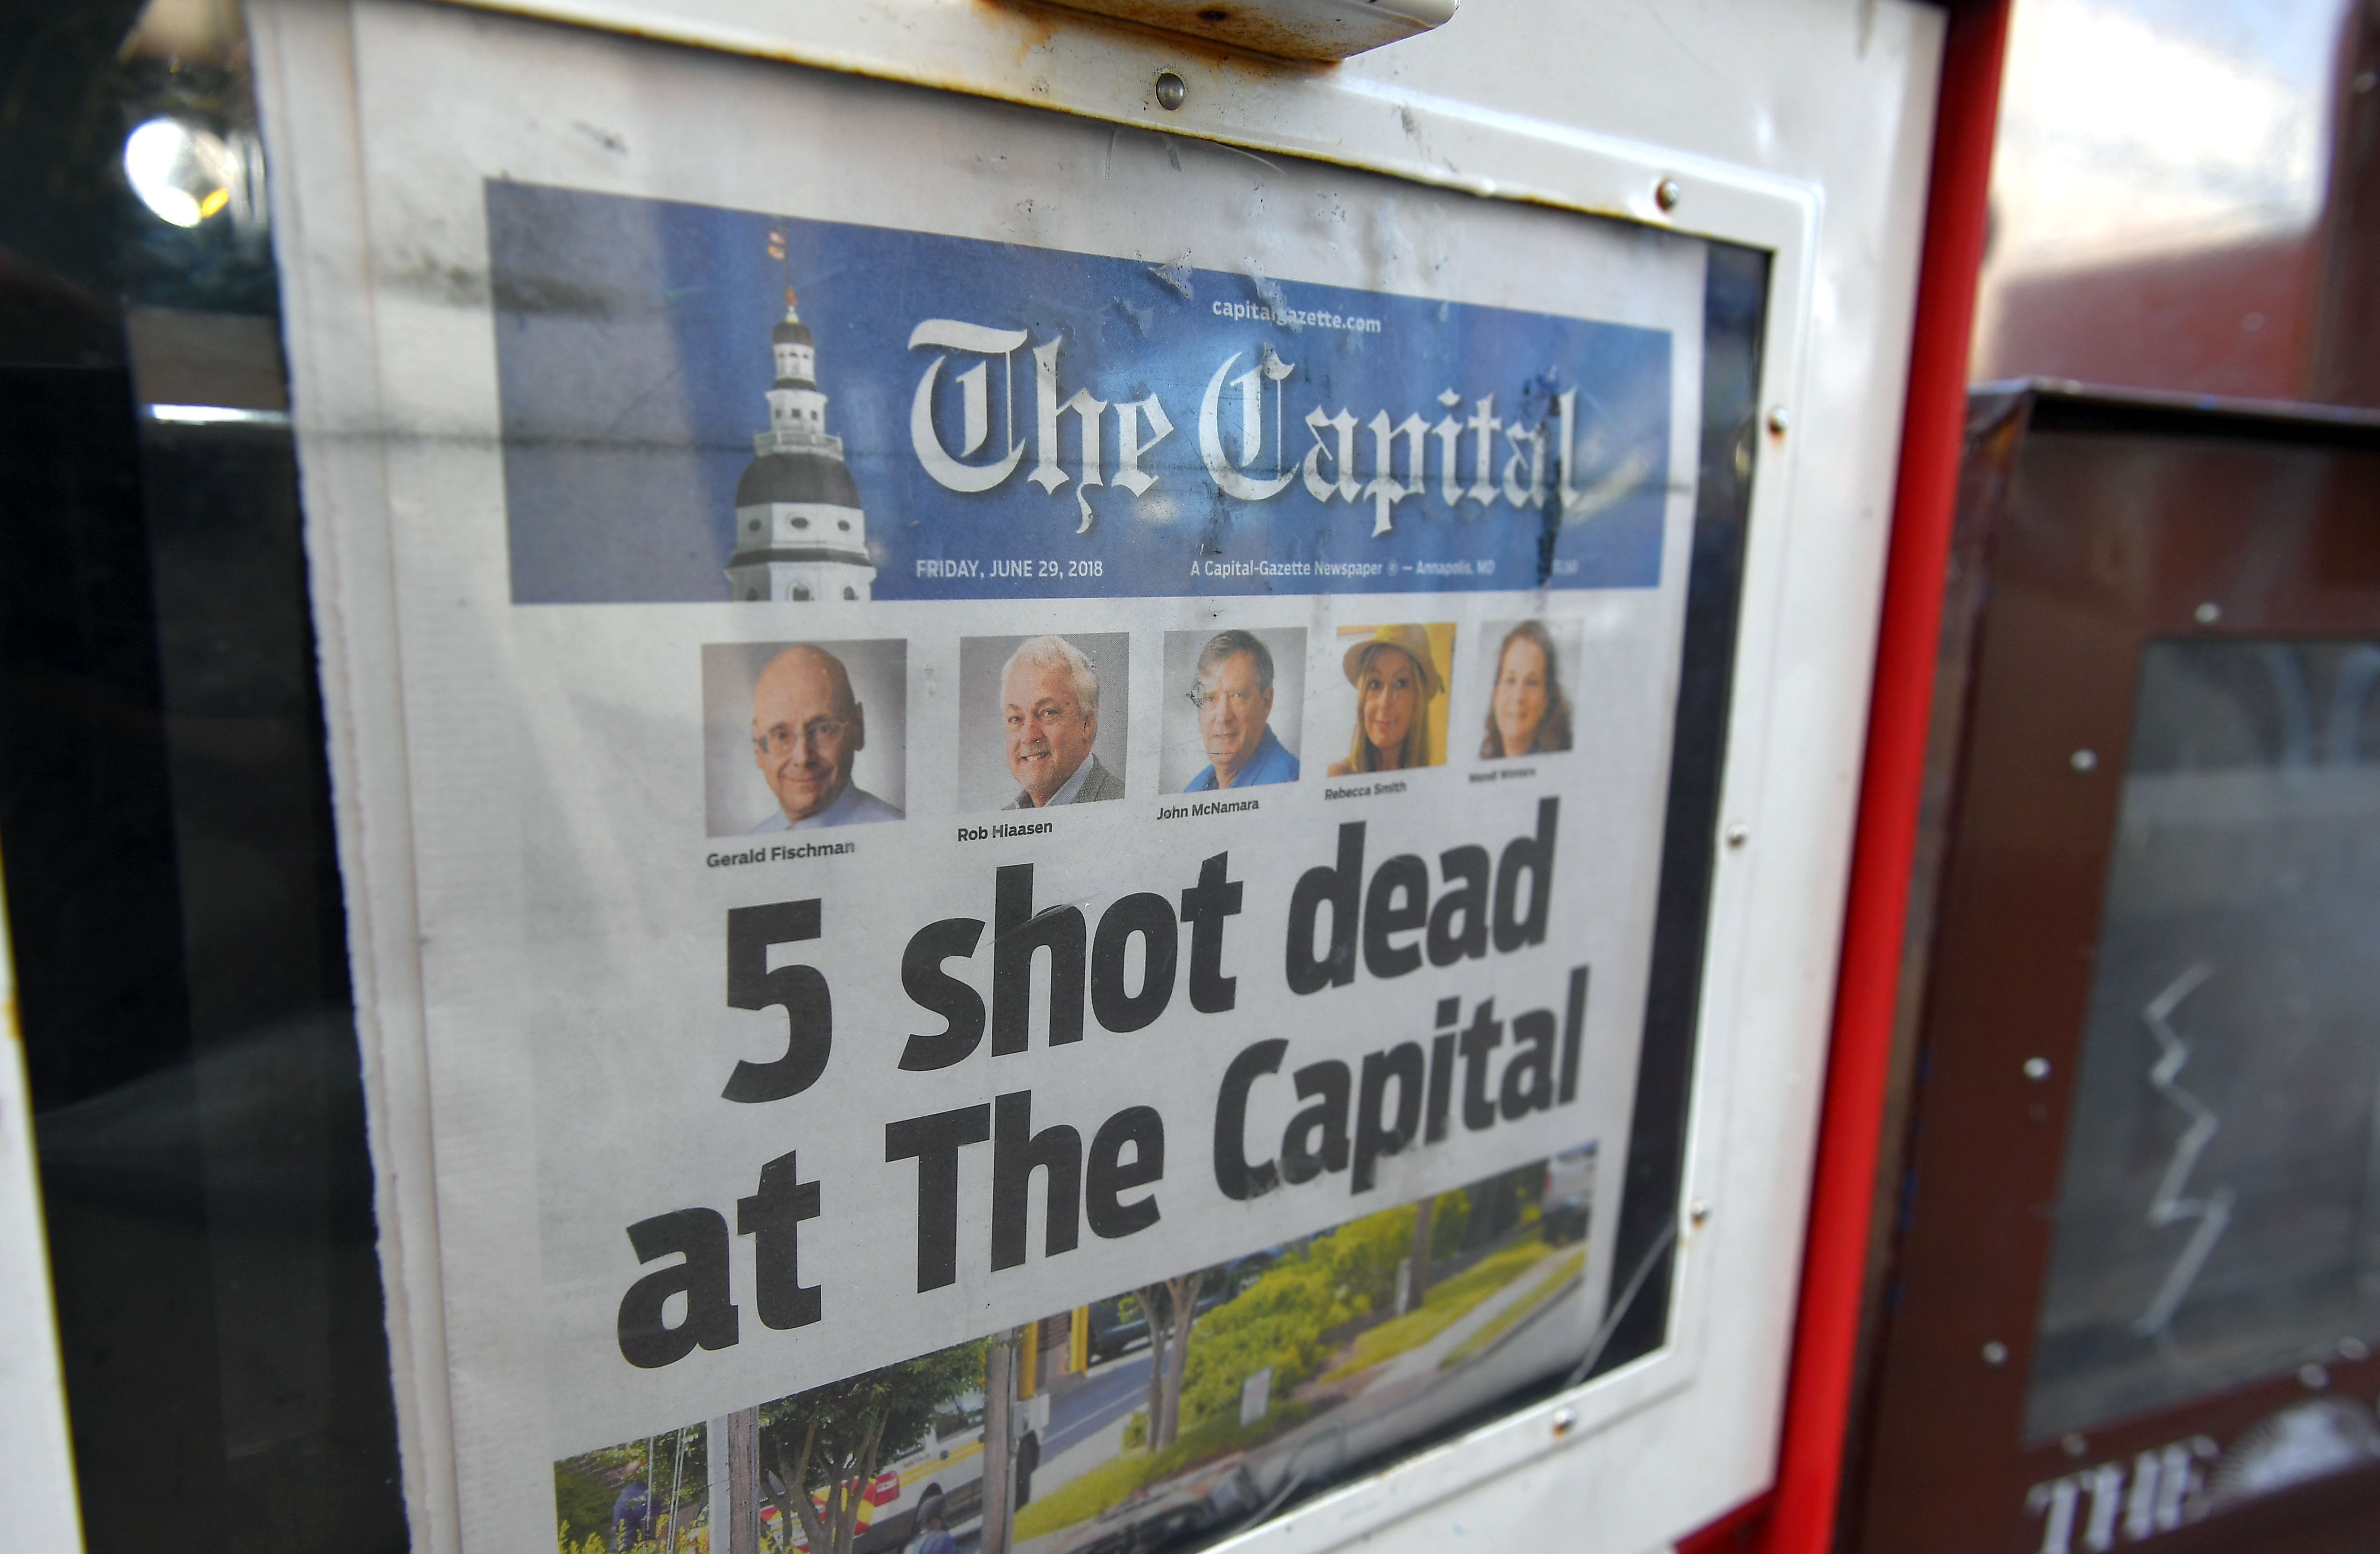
x=948, y=1464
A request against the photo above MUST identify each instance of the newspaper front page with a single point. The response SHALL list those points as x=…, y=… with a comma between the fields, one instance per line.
x=1035, y=759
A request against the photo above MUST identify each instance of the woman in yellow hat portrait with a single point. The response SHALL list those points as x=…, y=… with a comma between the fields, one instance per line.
x=1395, y=679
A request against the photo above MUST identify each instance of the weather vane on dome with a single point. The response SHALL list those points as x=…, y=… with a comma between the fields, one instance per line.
x=778, y=251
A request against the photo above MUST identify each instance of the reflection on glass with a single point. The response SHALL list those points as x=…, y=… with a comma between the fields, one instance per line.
x=2218, y=1220
x=183, y=173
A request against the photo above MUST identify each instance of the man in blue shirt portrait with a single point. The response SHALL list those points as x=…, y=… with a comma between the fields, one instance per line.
x=806, y=728
x=1231, y=688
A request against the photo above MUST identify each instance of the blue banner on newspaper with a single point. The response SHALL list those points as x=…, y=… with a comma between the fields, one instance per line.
x=704, y=405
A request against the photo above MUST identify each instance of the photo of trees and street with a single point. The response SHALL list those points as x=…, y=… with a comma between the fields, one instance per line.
x=1157, y=1418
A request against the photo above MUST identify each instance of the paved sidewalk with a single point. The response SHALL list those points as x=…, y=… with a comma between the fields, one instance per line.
x=1423, y=1360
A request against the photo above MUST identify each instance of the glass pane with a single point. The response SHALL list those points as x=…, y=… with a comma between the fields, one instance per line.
x=2218, y=1220
x=173, y=903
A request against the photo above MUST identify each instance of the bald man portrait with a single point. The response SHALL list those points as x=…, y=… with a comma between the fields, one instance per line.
x=807, y=729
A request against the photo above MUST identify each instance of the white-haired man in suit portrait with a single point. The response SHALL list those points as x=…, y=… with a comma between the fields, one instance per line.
x=1049, y=701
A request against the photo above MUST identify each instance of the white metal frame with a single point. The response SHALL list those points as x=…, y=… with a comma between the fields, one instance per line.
x=1812, y=148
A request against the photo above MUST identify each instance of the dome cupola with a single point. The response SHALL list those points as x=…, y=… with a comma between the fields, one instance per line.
x=800, y=532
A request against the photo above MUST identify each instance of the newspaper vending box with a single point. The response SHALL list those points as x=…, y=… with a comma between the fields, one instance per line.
x=1091, y=772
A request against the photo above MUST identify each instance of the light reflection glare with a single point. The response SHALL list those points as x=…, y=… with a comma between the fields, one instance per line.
x=183, y=173
x=2145, y=126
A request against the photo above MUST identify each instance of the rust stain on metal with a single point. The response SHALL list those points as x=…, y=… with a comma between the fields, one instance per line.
x=1034, y=27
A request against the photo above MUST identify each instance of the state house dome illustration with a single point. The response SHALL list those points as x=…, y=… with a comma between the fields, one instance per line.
x=800, y=529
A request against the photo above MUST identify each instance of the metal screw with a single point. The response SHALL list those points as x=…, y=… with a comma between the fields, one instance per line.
x=2073, y=1445
x=1564, y=1421
x=1738, y=834
x=1171, y=90
x=2364, y=80
x=2208, y=613
x=2354, y=1349
x=2314, y=1377
x=2084, y=761
x=1666, y=194
x=1995, y=1352
x=2036, y=1069
x=1700, y=1214
x=1779, y=420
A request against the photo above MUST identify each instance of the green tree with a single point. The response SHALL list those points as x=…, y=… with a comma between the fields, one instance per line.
x=1165, y=1365
x=1281, y=1318
x=1452, y=1224
x=1418, y=1285
x=1171, y=1308
x=831, y=1439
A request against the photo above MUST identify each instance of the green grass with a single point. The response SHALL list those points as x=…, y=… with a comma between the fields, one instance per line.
x=1085, y=1497
x=1441, y=1308
x=1112, y=1483
x=1494, y=1327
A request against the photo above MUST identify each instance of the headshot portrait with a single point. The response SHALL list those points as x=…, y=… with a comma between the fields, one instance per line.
x=804, y=735
x=1527, y=690
x=1394, y=707
x=1042, y=720
x=1234, y=704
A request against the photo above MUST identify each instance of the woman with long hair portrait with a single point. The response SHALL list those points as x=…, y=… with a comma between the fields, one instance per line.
x=1527, y=713
x=1395, y=681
